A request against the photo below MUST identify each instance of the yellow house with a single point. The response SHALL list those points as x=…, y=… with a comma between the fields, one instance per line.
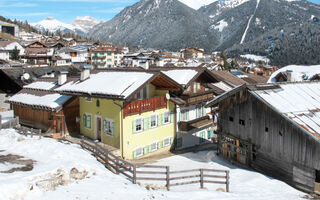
x=128, y=110
x=102, y=57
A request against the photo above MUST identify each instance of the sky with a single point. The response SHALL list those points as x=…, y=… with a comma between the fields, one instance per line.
x=65, y=10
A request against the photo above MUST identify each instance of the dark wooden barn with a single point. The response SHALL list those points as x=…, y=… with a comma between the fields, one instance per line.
x=275, y=129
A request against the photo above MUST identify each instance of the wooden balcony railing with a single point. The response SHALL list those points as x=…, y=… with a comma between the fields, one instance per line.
x=138, y=107
x=196, y=123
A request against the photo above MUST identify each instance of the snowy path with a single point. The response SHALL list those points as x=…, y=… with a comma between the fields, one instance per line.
x=249, y=22
x=53, y=157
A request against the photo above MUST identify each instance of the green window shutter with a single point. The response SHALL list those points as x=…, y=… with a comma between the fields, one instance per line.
x=187, y=114
x=84, y=120
x=112, y=128
x=149, y=148
x=104, y=126
x=160, y=119
x=134, y=154
x=210, y=134
x=145, y=125
x=149, y=123
x=160, y=145
x=197, y=113
x=172, y=117
x=134, y=126
x=145, y=150
x=171, y=140
x=88, y=121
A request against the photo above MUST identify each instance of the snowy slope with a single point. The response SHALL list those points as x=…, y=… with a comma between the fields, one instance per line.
x=53, y=159
x=79, y=25
x=197, y=4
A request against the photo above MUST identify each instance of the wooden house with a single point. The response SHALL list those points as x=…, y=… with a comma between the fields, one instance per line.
x=37, y=54
x=129, y=111
x=38, y=105
x=275, y=129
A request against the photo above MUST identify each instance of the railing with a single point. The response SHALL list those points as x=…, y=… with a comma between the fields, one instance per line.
x=138, y=107
x=198, y=97
x=157, y=172
x=29, y=131
x=196, y=123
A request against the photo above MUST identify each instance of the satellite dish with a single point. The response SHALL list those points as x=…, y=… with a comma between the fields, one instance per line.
x=26, y=76
x=168, y=96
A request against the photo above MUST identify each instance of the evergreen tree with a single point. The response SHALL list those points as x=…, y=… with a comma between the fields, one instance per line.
x=15, y=54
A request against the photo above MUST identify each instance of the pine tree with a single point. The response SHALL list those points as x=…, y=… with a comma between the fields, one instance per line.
x=15, y=54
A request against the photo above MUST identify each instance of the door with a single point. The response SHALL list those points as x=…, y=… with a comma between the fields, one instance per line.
x=99, y=128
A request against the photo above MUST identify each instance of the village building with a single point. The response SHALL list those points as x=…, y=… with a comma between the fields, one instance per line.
x=129, y=111
x=192, y=53
x=142, y=60
x=7, y=48
x=296, y=73
x=274, y=128
x=102, y=57
x=37, y=105
x=9, y=28
x=194, y=122
x=79, y=54
x=37, y=54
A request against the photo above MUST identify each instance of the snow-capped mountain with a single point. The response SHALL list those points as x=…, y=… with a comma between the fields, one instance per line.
x=85, y=23
x=81, y=25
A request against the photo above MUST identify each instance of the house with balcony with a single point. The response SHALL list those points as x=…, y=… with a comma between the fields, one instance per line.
x=37, y=54
x=194, y=122
x=102, y=57
x=126, y=110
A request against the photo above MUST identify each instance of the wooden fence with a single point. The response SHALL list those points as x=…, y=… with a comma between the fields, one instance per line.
x=29, y=131
x=157, y=173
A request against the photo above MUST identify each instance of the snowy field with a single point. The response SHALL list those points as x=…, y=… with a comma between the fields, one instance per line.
x=65, y=171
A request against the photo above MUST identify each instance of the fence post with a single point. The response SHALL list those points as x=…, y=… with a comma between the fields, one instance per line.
x=39, y=133
x=0, y=122
x=201, y=178
x=134, y=174
x=168, y=177
x=31, y=132
x=25, y=132
x=227, y=181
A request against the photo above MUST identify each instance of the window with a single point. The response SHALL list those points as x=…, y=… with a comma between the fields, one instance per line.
x=166, y=118
x=88, y=99
x=153, y=121
x=138, y=152
x=98, y=103
x=166, y=142
x=280, y=133
x=87, y=120
x=139, y=125
x=198, y=86
x=202, y=137
x=231, y=119
x=154, y=146
x=194, y=87
x=241, y=122
x=109, y=60
x=266, y=129
x=108, y=127
x=184, y=115
x=189, y=89
x=200, y=111
x=109, y=66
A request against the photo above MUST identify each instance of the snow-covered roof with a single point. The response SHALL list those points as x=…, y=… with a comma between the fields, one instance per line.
x=41, y=85
x=181, y=76
x=52, y=101
x=121, y=84
x=300, y=102
x=298, y=72
x=223, y=86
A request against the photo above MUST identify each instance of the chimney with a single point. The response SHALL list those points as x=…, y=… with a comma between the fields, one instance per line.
x=289, y=75
x=62, y=77
x=85, y=74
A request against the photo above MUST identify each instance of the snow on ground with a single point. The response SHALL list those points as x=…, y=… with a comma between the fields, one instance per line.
x=256, y=58
x=298, y=72
x=220, y=25
x=54, y=159
x=197, y=4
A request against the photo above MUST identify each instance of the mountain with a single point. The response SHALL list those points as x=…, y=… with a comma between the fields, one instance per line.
x=85, y=23
x=197, y=4
x=237, y=26
x=166, y=24
x=81, y=25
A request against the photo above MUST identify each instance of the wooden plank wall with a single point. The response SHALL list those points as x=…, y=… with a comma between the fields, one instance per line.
x=284, y=151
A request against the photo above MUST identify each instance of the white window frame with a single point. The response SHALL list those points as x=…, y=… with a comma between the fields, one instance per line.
x=90, y=121
x=156, y=143
x=110, y=121
x=156, y=120
x=88, y=99
x=142, y=151
x=183, y=113
x=167, y=138
x=142, y=125
x=169, y=117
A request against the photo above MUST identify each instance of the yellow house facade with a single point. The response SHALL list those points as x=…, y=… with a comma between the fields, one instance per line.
x=138, y=125
x=102, y=57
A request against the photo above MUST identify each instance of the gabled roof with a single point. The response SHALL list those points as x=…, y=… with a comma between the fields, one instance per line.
x=118, y=84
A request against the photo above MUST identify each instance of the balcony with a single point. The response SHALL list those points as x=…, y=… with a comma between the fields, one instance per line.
x=199, y=97
x=98, y=63
x=138, y=107
x=99, y=57
x=193, y=124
